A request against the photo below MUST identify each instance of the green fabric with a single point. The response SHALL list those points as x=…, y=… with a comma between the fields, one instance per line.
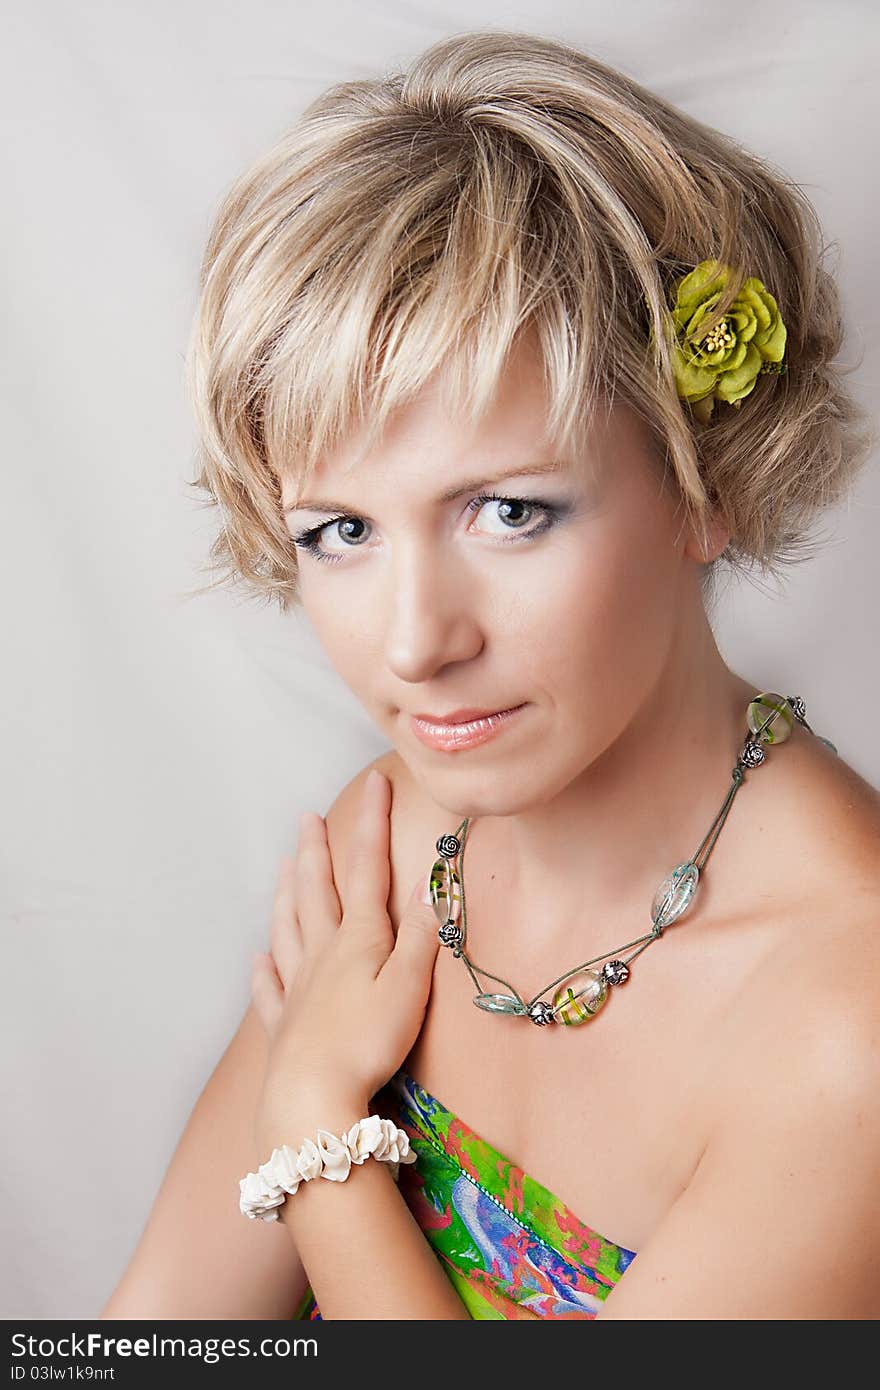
x=511, y=1248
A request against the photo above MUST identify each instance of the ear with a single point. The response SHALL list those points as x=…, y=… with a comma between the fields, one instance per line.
x=706, y=544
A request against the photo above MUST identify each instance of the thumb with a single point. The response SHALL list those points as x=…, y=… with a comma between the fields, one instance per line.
x=415, y=950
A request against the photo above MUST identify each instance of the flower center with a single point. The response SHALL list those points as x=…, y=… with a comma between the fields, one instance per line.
x=720, y=337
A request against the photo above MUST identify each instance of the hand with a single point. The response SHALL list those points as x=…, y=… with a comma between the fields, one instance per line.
x=341, y=1000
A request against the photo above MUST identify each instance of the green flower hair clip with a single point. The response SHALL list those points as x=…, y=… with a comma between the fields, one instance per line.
x=724, y=363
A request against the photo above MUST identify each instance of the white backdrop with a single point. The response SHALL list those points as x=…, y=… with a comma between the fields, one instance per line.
x=158, y=752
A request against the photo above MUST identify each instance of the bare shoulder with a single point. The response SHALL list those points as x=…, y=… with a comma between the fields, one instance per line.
x=820, y=981
x=780, y=1216
x=844, y=840
x=804, y=1058
x=814, y=849
x=839, y=807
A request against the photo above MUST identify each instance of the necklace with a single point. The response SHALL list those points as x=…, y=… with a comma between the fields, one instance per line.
x=581, y=992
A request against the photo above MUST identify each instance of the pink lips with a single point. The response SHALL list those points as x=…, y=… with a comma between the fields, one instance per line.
x=458, y=716
x=466, y=733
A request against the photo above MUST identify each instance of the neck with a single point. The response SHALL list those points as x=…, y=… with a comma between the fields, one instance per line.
x=607, y=839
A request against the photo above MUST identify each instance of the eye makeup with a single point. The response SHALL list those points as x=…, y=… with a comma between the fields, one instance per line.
x=309, y=540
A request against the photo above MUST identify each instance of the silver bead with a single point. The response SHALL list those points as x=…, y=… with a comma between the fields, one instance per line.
x=448, y=846
x=615, y=972
x=450, y=934
x=798, y=708
x=752, y=755
x=540, y=1012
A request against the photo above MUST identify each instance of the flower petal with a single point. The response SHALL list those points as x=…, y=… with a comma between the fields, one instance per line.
x=702, y=409
x=772, y=343
x=732, y=385
x=745, y=323
x=693, y=381
x=705, y=279
x=736, y=355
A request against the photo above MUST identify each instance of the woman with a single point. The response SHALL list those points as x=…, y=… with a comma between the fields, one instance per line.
x=526, y=355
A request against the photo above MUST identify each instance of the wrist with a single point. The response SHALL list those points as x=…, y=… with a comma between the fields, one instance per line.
x=302, y=1112
x=332, y=1154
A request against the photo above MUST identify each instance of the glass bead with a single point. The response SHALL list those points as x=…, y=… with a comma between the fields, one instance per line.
x=775, y=708
x=580, y=997
x=445, y=888
x=498, y=1003
x=674, y=896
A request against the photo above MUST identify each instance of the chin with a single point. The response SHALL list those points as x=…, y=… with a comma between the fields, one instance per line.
x=478, y=792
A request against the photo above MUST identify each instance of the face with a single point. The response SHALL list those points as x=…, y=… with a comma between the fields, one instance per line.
x=566, y=593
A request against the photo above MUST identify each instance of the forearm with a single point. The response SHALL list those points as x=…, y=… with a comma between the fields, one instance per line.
x=364, y=1253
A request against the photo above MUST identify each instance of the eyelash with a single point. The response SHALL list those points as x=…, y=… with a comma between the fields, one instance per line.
x=308, y=540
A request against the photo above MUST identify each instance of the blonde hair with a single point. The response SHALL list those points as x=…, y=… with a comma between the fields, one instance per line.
x=507, y=181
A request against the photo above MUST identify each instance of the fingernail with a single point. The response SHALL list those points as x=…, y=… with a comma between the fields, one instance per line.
x=425, y=890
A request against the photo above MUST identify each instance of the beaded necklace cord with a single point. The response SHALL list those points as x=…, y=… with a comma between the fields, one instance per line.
x=581, y=992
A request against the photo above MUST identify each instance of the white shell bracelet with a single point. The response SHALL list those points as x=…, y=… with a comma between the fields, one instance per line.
x=331, y=1157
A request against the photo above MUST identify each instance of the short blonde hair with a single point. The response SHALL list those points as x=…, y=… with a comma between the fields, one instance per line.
x=507, y=181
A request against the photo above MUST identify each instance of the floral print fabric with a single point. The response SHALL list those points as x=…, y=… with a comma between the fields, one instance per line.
x=511, y=1248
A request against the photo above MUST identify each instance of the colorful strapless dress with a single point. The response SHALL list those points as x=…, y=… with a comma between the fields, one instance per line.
x=511, y=1248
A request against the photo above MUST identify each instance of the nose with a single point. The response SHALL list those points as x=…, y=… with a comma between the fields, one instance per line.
x=433, y=613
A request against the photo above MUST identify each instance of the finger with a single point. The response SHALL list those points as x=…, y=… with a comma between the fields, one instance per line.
x=410, y=965
x=266, y=991
x=317, y=902
x=285, y=938
x=368, y=870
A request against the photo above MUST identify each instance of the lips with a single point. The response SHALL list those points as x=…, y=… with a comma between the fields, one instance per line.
x=461, y=734
x=463, y=716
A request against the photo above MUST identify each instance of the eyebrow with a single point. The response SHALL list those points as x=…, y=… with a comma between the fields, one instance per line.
x=473, y=485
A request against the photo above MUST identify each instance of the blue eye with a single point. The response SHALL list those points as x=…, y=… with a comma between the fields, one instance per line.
x=309, y=540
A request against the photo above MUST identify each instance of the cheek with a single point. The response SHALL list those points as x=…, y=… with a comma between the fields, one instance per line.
x=340, y=620
x=602, y=618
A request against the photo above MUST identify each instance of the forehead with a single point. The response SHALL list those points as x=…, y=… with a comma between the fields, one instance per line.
x=424, y=455
x=512, y=424
x=426, y=443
